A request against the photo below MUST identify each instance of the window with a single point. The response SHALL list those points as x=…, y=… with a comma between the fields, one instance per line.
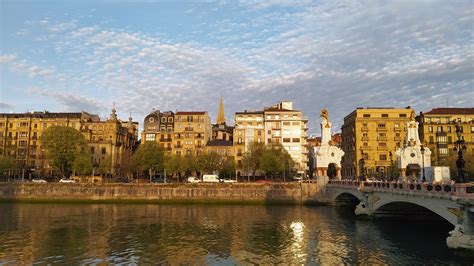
x=104, y=151
x=383, y=157
x=189, y=118
x=396, y=125
x=472, y=129
x=286, y=139
x=450, y=139
x=402, y=115
x=431, y=140
x=443, y=151
x=150, y=137
x=296, y=140
x=441, y=139
x=365, y=134
x=287, y=123
x=430, y=129
x=383, y=144
x=35, y=126
x=384, y=115
x=170, y=120
x=366, y=115
x=381, y=125
x=163, y=120
x=366, y=144
x=296, y=123
x=449, y=129
x=439, y=129
x=382, y=135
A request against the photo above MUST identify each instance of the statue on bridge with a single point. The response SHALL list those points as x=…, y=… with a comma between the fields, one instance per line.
x=328, y=156
x=413, y=155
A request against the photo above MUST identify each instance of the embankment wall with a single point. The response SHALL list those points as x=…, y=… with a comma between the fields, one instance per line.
x=291, y=193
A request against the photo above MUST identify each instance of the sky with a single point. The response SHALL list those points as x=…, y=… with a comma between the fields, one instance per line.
x=69, y=56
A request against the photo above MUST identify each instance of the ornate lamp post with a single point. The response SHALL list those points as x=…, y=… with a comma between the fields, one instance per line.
x=362, y=165
x=422, y=150
x=460, y=147
x=390, y=155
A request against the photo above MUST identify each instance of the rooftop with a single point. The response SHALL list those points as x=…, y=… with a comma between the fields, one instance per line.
x=191, y=112
x=451, y=111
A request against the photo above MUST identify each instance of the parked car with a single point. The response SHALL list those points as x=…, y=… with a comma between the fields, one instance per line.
x=38, y=180
x=66, y=180
x=228, y=180
x=193, y=179
x=210, y=178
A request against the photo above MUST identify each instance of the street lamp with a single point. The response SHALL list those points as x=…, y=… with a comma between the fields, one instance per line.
x=460, y=147
x=422, y=150
x=362, y=165
x=390, y=155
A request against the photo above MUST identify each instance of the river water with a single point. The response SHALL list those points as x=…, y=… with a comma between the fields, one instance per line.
x=214, y=235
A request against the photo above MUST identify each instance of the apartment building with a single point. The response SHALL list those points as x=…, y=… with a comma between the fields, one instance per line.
x=375, y=134
x=159, y=127
x=192, y=131
x=249, y=128
x=437, y=130
x=20, y=135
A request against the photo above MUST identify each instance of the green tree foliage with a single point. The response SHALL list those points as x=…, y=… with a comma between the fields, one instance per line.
x=149, y=157
x=105, y=165
x=275, y=160
x=251, y=159
x=175, y=165
x=227, y=168
x=7, y=164
x=82, y=164
x=63, y=145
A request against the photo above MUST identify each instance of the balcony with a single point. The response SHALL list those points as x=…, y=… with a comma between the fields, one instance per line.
x=382, y=148
x=397, y=129
x=379, y=138
x=188, y=128
x=383, y=129
x=397, y=138
x=178, y=146
x=365, y=138
x=365, y=128
x=165, y=140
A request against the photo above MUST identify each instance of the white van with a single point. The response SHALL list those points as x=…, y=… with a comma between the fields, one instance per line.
x=210, y=178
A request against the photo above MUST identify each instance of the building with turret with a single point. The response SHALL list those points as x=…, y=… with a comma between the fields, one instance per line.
x=222, y=135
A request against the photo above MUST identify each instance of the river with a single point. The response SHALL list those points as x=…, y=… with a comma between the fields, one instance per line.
x=214, y=235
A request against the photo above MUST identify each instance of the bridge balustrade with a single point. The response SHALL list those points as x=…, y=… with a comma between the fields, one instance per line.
x=464, y=190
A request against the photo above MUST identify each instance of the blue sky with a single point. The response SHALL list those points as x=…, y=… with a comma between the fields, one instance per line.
x=87, y=55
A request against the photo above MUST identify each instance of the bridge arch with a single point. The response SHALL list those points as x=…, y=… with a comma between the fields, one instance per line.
x=347, y=198
x=439, y=208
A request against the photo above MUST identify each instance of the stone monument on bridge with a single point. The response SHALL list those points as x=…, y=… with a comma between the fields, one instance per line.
x=327, y=155
x=411, y=154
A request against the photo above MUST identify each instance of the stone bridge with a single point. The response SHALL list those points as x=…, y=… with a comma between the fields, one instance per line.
x=454, y=203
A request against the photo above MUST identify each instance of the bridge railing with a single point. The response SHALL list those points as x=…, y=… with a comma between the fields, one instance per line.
x=459, y=191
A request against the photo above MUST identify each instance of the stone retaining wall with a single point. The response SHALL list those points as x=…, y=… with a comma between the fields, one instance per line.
x=295, y=193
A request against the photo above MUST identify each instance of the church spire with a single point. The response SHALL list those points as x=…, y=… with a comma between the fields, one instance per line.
x=220, y=115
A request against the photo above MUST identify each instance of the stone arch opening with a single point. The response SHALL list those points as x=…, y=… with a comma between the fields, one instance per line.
x=408, y=211
x=413, y=171
x=332, y=170
x=346, y=199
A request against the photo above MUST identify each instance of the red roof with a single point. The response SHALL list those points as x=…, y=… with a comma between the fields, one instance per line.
x=451, y=111
x=190, y=113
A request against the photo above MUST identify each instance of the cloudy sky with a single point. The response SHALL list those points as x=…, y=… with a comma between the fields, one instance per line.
x=86, y=55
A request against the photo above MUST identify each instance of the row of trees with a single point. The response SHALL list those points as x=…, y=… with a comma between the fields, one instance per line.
x=67, y=151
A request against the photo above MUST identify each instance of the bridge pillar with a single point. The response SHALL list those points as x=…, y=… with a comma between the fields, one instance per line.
x=462, y=237
x=365, y=206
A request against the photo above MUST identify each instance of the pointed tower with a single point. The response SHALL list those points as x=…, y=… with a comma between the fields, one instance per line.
x=220, y=115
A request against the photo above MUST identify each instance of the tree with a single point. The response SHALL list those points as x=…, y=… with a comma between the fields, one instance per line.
x=83, y=164
x=150, y=157
x=175, y=165
x=251, y=159
x=228, y=166
x=105, y=165
x=275, y=159
x=63, y=145
x=7, y=164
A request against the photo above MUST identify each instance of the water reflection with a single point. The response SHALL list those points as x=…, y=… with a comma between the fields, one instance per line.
x=199, y=234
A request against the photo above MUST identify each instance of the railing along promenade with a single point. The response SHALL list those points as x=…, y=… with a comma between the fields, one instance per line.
x=462, y=191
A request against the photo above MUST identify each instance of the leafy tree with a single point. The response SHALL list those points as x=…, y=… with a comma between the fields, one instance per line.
x=150, y=157
x=228, y=166
x=251, y=159
x=276, y=160
x=7, y=163
x=175, y=165
x=63, y=145
x=83, y=164
x=105, y=165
